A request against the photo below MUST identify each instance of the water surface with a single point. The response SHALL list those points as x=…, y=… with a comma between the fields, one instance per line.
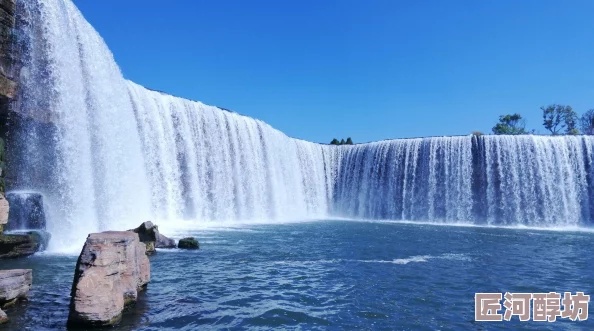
x=333, y=275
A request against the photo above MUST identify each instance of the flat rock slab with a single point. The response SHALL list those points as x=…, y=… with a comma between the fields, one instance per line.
x=14, y=284
x=110, y=271
x=22, y=244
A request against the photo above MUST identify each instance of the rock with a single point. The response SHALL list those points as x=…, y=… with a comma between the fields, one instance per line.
x=14, y=284
x=41, y=237
x=26, y=212
x=3, y=317
x=188, y=243
x=147, y=233
x=150, y=235
x=21, y=244
x=110, y=271
x=4, y=208
x=164, y=242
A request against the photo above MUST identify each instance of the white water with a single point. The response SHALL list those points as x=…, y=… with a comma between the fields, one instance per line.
x=123, y=154
x=116, y=154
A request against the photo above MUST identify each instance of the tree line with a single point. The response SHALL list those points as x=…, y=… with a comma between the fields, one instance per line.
x=557, y=119
x=335, y=141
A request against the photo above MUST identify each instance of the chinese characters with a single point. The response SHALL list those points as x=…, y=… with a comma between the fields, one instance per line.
x=545, y=306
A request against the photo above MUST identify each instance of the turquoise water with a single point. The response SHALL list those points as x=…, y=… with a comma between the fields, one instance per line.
x=333, y=275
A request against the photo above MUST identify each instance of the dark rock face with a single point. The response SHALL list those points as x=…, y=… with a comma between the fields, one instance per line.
x=14, y=285
x=20, y=244
x=150, y=235
x=110, y=271
x=188, y=243
x=147, y=233
x=26, y=212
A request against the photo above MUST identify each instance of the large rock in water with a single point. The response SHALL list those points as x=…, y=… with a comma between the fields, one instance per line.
x=188, y=243
x=164, y=242
x=14, y=284
x=110, y=271
x=4, y=208
x=150, y=235
x=25, y=243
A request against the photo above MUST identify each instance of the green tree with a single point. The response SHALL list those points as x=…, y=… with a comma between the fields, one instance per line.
x=342, y=142
x=334, y=142
x=510, y=124
x=559, y=118
x=587, y=122
x=349, y=141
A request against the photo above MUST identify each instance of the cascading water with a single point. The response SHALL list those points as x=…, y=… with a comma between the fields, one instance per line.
x=109, y=154
x=113, y=153
x=494, y=180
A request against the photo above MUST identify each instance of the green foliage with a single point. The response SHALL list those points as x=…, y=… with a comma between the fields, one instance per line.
x=587, y=122
x=510, y=124
x=559, y=118
x=335, y=141
x=573, y=132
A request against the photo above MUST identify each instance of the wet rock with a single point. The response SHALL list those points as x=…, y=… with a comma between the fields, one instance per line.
x=26, y=211
x=188, y=243
x=147, y=233
x=164, y=242
x=22, y=243
x=14, y=285
x=150, y=235
x=110, y=271
x=3, y=317
x=4, y=208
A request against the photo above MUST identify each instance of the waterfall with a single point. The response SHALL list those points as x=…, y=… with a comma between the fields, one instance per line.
x=407, y=179
x=107, y=153
x=492, y=180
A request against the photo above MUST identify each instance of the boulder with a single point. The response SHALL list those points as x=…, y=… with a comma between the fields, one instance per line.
x=147, y=233
x=3, y=317
x=4, y=207
x=14, y=285
x=188, y=243
x=164, y=242
x=26, y=211
x=22, y=243
x=110, y=271
x=150, y=235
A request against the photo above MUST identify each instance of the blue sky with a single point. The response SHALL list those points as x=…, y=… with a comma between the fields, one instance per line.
x=369, y=69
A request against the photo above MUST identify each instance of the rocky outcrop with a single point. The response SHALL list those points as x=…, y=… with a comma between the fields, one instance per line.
x=22, y=244
x=14, y=285
x=149, y=234
x=164, y=242
x=4, y=208
x=188, y=243
x=110, y=271
x=26, y=211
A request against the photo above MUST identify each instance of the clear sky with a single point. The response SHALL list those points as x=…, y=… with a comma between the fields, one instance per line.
x=368, y=69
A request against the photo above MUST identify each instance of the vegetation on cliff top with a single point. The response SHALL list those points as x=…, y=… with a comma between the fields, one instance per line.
x=335, y=141
x=557, y=119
